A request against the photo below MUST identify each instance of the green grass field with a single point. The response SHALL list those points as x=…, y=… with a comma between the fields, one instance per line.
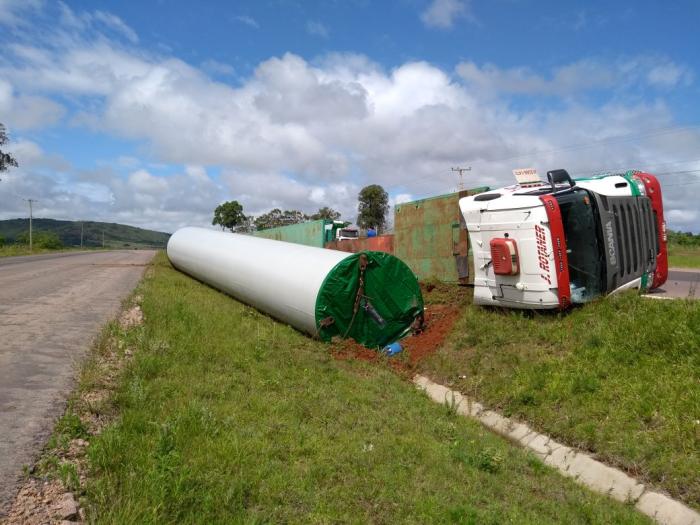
x=225, y=416
x=683, y=256
x=12, y=250
x=619, y=377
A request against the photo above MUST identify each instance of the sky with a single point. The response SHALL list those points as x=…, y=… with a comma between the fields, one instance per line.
x=151, y=113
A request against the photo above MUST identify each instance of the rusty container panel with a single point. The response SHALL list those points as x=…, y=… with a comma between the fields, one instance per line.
x=430, y=236
x=308, y=233
x=381, y=243
x=348, y=245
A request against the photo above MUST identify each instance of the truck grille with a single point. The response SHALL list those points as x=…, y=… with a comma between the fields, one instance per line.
x=636, y=242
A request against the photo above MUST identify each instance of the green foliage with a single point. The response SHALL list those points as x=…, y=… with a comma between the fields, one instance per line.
x=226, y=416
x=41, y=239
x=229, y=215
x=6, y=160
x=683, y=238
x=617, y=377
x=116, y=235
x=373, y=207
x=2, y=241
x=277, y=217
x=326, y=213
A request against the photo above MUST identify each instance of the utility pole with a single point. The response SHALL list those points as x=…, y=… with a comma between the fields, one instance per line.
x=30, y=201
x=461, y=173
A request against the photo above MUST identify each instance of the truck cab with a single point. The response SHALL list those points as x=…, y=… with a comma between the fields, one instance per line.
x=542, y=245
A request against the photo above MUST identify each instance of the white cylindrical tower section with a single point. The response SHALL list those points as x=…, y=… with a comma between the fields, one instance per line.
x=280, y=278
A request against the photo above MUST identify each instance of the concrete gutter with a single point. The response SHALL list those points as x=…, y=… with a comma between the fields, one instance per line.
x=578, y=465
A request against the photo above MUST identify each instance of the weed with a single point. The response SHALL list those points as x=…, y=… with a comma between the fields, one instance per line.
x=68, y=474
x=225, y=416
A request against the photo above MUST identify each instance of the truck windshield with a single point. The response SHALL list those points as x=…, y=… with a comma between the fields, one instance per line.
x=583, y=246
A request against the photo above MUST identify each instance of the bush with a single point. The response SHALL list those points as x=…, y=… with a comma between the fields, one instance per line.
x=40, y=239
x=683, y=238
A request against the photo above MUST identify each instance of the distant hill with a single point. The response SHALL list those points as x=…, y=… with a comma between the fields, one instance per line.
x=115, y=235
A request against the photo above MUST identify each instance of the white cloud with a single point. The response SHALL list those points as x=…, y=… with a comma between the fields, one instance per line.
x=577, y=77
x=316, y=28
x=117, y=24
x=669, y=75
x=27, y=111
x=140, y=199
x=247, y=20
x=681, y=217
x=443, y=14
x=218, y=68
x=300, y=134
x=12, y=12
x=96, y=21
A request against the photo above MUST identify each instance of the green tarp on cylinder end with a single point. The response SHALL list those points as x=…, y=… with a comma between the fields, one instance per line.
x=385, y=307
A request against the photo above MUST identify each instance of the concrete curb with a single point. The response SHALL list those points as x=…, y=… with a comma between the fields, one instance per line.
x=661, y=297
x=578, y=465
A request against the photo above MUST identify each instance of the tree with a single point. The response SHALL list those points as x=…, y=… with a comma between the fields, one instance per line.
x=6, y=160
x=277, y=217
x=326, y=213
x=373, y=207
x=229, y=215
x=41, y=239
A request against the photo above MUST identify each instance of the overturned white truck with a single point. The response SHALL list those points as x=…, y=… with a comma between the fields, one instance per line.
x=549, y=244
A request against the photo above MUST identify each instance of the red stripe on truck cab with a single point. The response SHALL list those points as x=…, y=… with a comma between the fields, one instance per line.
x=561, y=261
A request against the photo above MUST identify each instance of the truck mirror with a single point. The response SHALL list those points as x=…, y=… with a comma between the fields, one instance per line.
x=559, y=176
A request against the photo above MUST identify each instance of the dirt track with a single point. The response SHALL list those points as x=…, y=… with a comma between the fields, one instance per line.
x=51, y=308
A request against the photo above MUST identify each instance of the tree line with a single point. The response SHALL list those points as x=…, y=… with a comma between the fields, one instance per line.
x=372, y=209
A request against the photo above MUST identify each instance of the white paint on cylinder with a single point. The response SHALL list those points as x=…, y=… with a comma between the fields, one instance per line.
x=280, y=278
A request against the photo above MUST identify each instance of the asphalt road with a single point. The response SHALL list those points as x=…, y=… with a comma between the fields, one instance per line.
x=51, y=308
x=681, y=283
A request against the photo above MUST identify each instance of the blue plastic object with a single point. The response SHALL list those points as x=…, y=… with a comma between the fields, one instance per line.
x=393, y=349
x=371, y=233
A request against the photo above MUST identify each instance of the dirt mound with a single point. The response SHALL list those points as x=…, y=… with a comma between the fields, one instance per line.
x=439, y=320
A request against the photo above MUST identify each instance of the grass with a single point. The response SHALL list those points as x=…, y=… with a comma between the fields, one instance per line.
x=11, y=250
x=618, y=377
x=225, y=416
x=683, y=256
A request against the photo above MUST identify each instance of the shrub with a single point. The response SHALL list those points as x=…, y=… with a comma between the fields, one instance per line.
x=41, y=239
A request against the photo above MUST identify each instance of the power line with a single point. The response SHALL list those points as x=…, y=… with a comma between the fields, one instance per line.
x=582, y=145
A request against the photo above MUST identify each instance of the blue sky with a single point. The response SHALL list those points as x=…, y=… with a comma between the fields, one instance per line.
x=151, y=113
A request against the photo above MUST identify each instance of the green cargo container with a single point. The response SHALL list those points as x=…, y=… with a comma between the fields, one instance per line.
x=430, y=237
x=312, y=233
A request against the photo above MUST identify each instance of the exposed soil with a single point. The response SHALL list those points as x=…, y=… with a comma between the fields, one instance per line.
x=41, y=502
x=439, y=320
x=443, y=307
